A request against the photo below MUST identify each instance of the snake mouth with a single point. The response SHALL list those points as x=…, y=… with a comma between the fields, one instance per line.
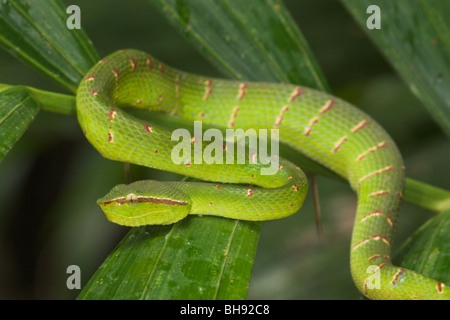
x=131, y=199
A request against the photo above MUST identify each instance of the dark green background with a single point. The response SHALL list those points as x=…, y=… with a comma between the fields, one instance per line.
x=50, y=180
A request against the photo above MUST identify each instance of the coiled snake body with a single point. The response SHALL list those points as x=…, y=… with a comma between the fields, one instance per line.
x=323, y=127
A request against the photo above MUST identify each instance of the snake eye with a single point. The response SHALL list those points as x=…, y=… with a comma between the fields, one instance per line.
x=131, y=199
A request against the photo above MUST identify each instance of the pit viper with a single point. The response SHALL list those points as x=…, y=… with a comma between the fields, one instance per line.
x=321, y=126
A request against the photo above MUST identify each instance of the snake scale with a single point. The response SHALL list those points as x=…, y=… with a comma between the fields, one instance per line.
x=321, y=126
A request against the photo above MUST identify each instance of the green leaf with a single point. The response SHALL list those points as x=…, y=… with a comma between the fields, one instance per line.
x=36, y=32
x=426, y=196
x=415, y=38
x=48, y=101
x=17, y=112
x=252, y=40
x=19, y=105
x=184, y=261
x=428, y=250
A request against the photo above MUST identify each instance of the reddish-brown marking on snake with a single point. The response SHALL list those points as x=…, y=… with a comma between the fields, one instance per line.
x=233, y=116
x=385, y=169
x=295, y=94
x=89, y=78
x=208, y=90
x=279, y=120
x=327, y=106
x=242, y=88
x=379, y=193
x=111, y=114
x=308, y=128
x=375, y=256
x=440, y=287
x=359, y=126
x=195, y=139
x=249, y=192
x=110, y=137
x=365, y=285
x=148, y=128
x=397, y=275
x=374, y=237
x=379, y=268
x=116, y=74
x=133, y=64
x=376, y=213
x=370, y=150
x=338, y=144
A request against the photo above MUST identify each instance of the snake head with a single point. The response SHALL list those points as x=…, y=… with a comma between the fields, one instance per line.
x=146, y=202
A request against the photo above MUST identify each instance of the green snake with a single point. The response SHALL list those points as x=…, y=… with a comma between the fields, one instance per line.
x=323, y=127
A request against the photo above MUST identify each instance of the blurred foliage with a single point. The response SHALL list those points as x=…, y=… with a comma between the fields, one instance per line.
x=52, y=170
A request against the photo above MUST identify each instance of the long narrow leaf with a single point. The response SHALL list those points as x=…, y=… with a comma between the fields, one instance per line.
x=48, y=101
x=426, y=196
x=17, y=111
x=427, y=251
x=414, y=36
x=176, y=263
x=252, y=40
x=35, y=31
